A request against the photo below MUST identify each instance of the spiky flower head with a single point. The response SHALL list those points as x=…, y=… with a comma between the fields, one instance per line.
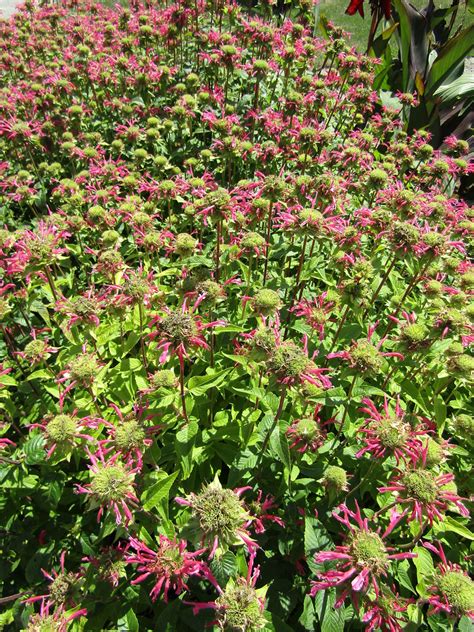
x=428, y=494
x=219, y=517
x=306, y=434
x=178, y=327
x=136, y=287
x=365, y=357
x=414, y=336
x=335, y=479
x=111, y=483
x=36, y=350
x=463, y=426
x=266, y=302
x=61, y=429
x=164, y=378
x=84, y=368
x=457, y=588
x=435, y=453
x=213, y=291
x=64, y=588
x=462, y=366
x=363, y=558
x=452, y=591
x=185, y=244
x=252, y=241
x=263, y=341
x=169, y=563
x=288, y=360
x=129, y=434
x=368, y=551
x=240, y=608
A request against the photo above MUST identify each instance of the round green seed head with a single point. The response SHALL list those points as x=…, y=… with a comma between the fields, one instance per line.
x=61, y=429
x=111, y=483
x=335, y=478
x=458, y=588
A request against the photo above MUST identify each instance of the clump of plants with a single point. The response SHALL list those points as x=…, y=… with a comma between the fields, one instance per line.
x=236, y=317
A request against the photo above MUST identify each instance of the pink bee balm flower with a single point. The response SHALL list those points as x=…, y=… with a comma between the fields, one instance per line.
x=316, y=312
x=387, y=433
x=83, y=309
x=170, y=565
x=239, y=606
x=37, y=350
x=4, y=442
x=365, y=355
x=219, y=518
x=260, y=511
x=128, y=437
x=57, y=620
x=180, y=329
x=452, y=591
x=362, y=560
x=64, y=588
x=307, y=433
x=109, y=564
x=429, y=495
x=383, y=613
x=111, y=486
x=62, y=432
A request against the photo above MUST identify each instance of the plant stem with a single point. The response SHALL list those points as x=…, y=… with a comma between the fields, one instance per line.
x=384, y=509
x=274, y=424
x=218, y=248
x=411, y=285
x=364, y=478
x=380, y=286
x=142, y=342
x=49, y=276
x=181, y=389
x=267, y=249
x=341, y=324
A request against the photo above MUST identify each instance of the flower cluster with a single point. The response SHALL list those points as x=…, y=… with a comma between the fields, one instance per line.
x=235, y=292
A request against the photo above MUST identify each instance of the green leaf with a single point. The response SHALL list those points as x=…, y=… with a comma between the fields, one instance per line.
x=7, y=380
x=424, y=569
x=465, y=624
x=158, y=493
x=403, y=576
x=128, y=623
x=6, y=617
x=332, y=620
x=184, y=443
x=200, y=384
x=405, y=41
x=450, y=57
x=451, y=524
x=279, y=444
x=34, y=449
x=440, y=411
x=308, y=617
x=224, y=567
x=462, y=87
x=40, y=374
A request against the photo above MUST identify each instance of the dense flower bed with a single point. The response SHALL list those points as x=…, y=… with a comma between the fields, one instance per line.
x=236, y=310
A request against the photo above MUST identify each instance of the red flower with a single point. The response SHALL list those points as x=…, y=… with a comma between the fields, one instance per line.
x=171, y=565
x=362, y=560
x=111, y=486
x=387, y=432
x=452, y=587
x=428, y=494
x=180, y=329
x=382, y=6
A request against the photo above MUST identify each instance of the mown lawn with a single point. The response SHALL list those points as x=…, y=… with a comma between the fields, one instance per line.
x=358, y=27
